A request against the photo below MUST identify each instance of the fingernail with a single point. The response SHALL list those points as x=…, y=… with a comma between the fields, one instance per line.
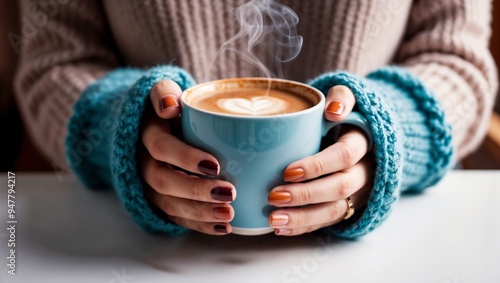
x=283, y=232
x=167, y=102
x=335, y=107
x=279, y=198
x=279, y=219
x=221, y=213
x=222, y=193
x=220, y=228
x=208, y=167
x=293, y=174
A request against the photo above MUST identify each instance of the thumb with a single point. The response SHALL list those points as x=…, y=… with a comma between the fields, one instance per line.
x=339, y=103
x=165, y=98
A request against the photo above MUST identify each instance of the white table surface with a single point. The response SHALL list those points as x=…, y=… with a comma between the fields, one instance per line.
x=66, y=233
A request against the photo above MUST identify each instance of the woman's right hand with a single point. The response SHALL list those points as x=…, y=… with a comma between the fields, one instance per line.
x=196, y=203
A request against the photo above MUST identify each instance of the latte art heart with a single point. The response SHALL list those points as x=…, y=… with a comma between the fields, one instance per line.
x=258, y=105
x=251, y=101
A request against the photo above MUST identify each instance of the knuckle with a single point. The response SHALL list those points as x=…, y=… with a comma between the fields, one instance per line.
x=198, y=188
x=317, y=166
x=200, y=205
x=301, y=219
x=306, y=194
x=197, y=214
x=333, y=212
x=158, y=147
x=347, y=154
x=344, y=187
x=168, y=207
x=158, y=183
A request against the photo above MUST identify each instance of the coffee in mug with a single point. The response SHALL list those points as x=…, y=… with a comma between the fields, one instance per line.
x=252, y=101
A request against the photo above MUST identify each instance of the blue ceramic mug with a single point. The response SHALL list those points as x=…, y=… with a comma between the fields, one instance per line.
x=253, y=151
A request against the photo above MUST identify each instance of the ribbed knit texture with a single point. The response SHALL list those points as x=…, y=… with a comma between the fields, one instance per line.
x=444, y=43
x=413, y=143
x=103, y=135
x=91, y=129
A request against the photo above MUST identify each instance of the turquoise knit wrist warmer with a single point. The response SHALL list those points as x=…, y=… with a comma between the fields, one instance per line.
x=413, y=147
x=412, y=142
x=104, y=131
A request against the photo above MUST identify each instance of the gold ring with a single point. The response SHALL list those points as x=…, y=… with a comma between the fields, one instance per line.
x=350, y=208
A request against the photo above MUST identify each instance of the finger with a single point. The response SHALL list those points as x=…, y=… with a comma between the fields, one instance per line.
x=298, y=231
x=337, y=186
x=339, y=103
x=218, y=228
x=171, y=182
x=191, y=209
x=296, y=221
x=165, y=98
x=310, y=216
x=167, y=148
x=346, y=152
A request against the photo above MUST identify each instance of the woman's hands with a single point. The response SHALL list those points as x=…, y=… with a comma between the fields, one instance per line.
x=324, y=181
x=196, y=203
x=313, y=199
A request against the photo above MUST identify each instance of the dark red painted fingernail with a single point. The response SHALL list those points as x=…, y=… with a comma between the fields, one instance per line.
x=335, y=107
x=222, y=193
x=167, y=102
x=208, y=167
x=222, y=213
x=219, y=228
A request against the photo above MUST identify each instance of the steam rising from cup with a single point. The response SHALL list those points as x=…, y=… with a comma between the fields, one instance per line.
x=269, y=25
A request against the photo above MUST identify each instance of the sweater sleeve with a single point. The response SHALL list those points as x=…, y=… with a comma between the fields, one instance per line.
x=62, y=51
x=64, y=55
x=446, y=47
x=103, y=135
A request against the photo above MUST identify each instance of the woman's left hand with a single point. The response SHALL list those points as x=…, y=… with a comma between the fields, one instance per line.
x=319, y=185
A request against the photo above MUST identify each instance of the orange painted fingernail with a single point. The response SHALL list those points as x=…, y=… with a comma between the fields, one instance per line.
x=167, y=102
x=335, y=107
x=279, y=219
x=293, y=174
x=279, y=198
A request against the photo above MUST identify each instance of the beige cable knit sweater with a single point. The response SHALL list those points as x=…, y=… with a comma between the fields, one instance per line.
x=68, y=44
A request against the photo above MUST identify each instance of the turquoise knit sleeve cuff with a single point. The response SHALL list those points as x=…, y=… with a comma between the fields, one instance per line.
x=104, y=131
x=412, y=141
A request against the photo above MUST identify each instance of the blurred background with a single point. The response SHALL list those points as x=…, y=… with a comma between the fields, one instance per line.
x=18, y=153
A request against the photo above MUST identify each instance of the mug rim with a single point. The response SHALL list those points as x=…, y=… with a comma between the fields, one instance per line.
x=319, y=94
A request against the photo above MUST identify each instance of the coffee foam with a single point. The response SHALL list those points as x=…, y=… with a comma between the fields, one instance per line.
x=296, y=97
x=258, y=105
